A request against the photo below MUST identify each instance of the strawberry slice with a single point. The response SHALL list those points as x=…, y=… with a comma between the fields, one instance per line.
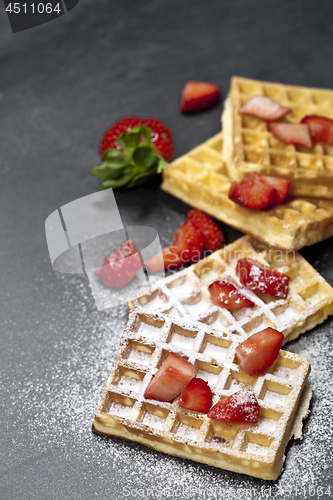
x=161, y=136
x=212, y=235
x=292, y=133
x=173, y=374
x=120, y=266
x=261, y=278
x=167, y=259
x=279, y=183
x=196, y=395
x=263, y=107
x=226, y=295
x=189, y=242
x=321, y=128
x=242, y=406
x=258, y=352
x=252, y=193
x=198, y=96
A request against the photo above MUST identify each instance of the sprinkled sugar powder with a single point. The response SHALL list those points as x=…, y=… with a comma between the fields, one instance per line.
x=83, y=345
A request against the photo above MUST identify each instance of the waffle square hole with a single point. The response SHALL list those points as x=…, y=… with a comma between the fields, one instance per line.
x=268, y=420
x=153, y=416
x=216, y=348
x=115, y=404
x=285, y=368
x=209, y=372
x=299, y=96
x=239, y=380
x=322, y=98
x=256, y=324
x=221, y=434
x=253, y=123
x=181, y=337
x=154, y=301
x=138, y=352
x=279, y=160
x=126, y=378
x=274, y=393
x=196, y=305
x=256, y=444
x=181, y=287
x=206, y=157
x=274, y=93
x=150, y=328
x=186, y=427
x=253, y=155
x=249, y=87
x=252, y=139
x=217, y=320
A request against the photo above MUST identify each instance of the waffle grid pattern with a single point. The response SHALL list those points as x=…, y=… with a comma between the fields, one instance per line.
x=200, y=178
x=185, y=294
x=255, y=449
x=250, y=146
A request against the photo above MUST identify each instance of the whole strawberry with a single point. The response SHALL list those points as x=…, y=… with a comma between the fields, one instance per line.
x=212, y=235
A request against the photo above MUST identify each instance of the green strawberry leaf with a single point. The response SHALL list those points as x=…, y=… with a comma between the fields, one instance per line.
x=144, y=157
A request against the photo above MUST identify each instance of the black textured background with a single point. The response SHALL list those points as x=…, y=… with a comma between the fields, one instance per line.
x=61, y=85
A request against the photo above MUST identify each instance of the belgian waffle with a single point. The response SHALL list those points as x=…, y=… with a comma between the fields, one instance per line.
x=249, y=146
x=254, y=449
x=201, y=179
x=185, y=294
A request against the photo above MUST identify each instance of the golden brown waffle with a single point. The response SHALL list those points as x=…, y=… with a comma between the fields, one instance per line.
x=249, y=146
x=185, y=294
x=254, y=449
x=200, y=178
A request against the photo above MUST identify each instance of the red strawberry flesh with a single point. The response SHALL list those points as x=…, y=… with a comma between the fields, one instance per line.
x=174, y=373
x=279, y=183
x=242, y=406
x=161, y=136
x=258, y=352
x=262, y=278
x=167, y=259
x=252, y=193
x=196, y=395
x=224, y=294
x=198, y=96
x=321, y=128
x=212, y=235
x=263, y=107
x=292, y=133
x=189, y=242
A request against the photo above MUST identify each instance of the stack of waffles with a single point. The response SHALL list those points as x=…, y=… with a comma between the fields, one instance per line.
x=176, y=315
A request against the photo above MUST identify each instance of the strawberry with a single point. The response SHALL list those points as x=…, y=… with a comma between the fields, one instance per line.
x=263, y=107
x=279, y=183
x=261, y=278
x=196, y=395
x=242, y=406
x=321, y=128
x=168, y=258
x=189, y=242
x=120, y=266
x=161, y=136
x=292, y=133
x=212, y=235
x=173, y=374
x=226, y=295
x=198, y=96
x=258, y=352
x=252, y=193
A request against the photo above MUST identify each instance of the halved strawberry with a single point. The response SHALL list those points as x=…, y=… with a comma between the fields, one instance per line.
x=321, y=128
x=173, y=374
x=279, y=183
x=198, y=96
x=252, y=193
x=226, y=295
x=242, y=406
x=261, y=278
x=196, y=395
x=168, y=258
x=161, y=136
x=292, y=133
x=258, y=352
x=212, y=235
x=263, y=107
x=120, y=266
x=189, y=242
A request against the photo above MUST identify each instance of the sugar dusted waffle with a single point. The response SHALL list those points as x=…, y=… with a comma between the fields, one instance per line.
x=249, y=146
x=200, y=178
x=254, y=449
x=185, y=294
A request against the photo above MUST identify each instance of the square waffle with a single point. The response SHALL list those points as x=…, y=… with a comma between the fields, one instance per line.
x=201, y=179
x=254, y=449
x=185, y=294
x=249, y=146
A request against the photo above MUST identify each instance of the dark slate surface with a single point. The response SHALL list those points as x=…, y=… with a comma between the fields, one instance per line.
x=61, y=85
